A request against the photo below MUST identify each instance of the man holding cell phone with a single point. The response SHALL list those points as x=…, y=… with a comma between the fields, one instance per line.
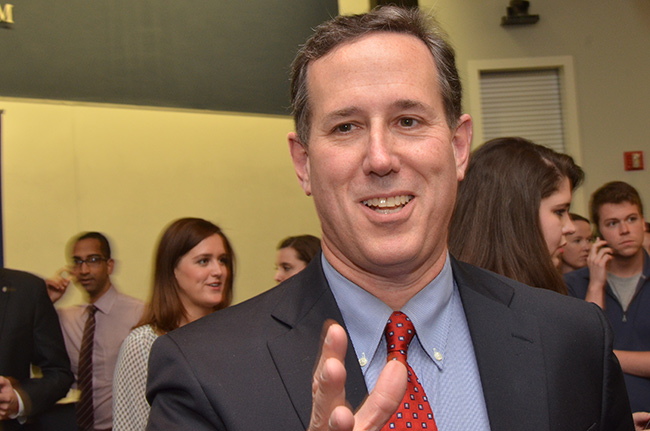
x=617, y=278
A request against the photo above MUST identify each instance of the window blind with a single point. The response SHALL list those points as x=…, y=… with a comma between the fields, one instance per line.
x=525, y=103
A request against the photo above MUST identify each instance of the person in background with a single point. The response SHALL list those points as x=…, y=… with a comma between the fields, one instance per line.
x=574, y=254
x=294, y=253
x=646, y=237
x=29, y=335
x=617, y=279
x=193, y=276
x=97, y=328
x=512, y=212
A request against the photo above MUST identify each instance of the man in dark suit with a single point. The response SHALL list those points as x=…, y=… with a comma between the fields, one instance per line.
x=29, y=334
x=381, y=144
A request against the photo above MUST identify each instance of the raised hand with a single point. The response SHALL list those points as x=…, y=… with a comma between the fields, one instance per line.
x=330, y=412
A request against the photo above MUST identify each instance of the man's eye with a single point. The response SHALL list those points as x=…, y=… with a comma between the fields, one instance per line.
x=344, y=127
x=407, y=122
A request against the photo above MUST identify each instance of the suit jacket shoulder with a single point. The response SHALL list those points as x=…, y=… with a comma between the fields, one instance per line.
x=269, y=343
x=554, y=350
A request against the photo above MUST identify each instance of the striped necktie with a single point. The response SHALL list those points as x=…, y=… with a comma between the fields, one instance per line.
x=85, y=409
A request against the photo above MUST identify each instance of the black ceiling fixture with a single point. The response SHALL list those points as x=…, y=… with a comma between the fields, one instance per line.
x=517, y=14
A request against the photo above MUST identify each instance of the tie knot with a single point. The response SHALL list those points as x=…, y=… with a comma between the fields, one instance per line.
x=92, y=310
x=399, y=333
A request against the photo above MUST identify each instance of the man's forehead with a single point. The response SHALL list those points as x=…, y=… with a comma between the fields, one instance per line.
x=398, y=58
x=617, y=209
x=87, y=246
x=359, y=46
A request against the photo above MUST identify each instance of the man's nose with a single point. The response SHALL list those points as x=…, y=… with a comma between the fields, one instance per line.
x=624, y=227
x=380, y=156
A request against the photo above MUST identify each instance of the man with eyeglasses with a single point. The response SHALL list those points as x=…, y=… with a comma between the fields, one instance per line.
x=114, y=314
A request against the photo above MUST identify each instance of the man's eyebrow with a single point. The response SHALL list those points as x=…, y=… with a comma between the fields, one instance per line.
x=90, y=255
x=624, y=217
x=401, y=104
x=342, y=113
x=410, y=104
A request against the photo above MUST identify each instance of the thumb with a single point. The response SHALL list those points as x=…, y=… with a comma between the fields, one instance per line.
x=384, y=399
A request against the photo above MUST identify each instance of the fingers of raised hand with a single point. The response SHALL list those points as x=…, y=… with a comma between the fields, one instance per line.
x=599, y=254
x=328, y=383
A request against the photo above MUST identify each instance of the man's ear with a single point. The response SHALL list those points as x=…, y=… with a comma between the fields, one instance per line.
x=462, y=143
x=300, y=158
x=111, y=265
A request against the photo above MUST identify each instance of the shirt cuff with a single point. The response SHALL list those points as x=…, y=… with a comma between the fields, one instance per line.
x=21, y=409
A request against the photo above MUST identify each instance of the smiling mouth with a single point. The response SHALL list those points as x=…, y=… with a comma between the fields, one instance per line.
x=388, y=205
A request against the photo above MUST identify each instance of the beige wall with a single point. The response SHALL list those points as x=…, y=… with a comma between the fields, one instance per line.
x=609, y=43
x=129, y=171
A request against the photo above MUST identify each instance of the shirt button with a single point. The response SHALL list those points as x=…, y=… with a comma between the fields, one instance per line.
x=437, y=355
x=363, y=361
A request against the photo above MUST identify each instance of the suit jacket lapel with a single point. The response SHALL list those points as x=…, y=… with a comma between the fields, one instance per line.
x=305, y=307
x=508, y=351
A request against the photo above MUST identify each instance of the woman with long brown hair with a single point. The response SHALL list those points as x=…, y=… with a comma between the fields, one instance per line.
x=512, y=211
x=193, y=276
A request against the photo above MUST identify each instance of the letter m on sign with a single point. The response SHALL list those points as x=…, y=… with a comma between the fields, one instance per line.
x=6, y=13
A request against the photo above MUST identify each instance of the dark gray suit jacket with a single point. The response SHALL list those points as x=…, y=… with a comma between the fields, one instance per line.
x=545, y=360
x=30, y=334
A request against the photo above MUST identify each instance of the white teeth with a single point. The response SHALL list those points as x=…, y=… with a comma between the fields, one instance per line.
x=387, y=205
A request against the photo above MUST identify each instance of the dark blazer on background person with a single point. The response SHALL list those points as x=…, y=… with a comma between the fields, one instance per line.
x=545, y=360
x=30, y=334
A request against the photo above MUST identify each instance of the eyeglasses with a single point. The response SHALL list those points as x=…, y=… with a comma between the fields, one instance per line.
x=92, y=261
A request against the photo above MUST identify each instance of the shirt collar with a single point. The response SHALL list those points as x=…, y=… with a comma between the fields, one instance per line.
x=428, y=310
x=106, y=301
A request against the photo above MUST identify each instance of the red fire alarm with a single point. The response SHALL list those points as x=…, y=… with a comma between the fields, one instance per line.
x=633, y=160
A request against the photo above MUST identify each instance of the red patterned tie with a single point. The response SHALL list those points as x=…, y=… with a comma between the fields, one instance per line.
x=85, y=414
x=414, y=412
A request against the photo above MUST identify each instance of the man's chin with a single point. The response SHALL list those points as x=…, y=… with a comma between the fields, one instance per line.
x=89, y=287
x=627, y=252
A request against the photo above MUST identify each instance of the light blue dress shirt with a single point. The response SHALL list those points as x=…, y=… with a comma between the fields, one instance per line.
x=441, y=353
